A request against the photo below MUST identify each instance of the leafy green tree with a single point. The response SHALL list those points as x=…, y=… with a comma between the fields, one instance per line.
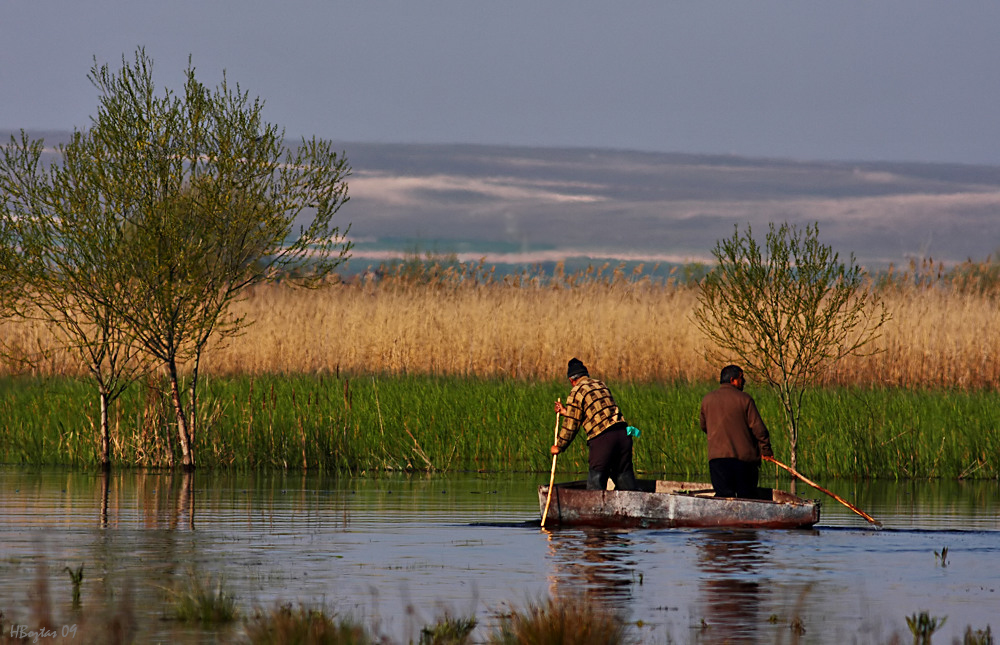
x=221, y=204
x=197, y=199
x=10, y=283
x=786, y=312
x=66, y=234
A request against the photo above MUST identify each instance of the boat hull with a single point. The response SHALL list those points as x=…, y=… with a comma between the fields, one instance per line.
x=666, y=504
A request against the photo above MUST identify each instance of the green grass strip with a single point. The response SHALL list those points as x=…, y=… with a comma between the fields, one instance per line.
x=378, y=423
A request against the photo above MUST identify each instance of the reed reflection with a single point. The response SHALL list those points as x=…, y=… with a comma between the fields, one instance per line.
x=731, y=564
x=595, y=563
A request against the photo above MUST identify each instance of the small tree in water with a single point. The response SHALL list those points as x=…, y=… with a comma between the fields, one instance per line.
x=787, y=312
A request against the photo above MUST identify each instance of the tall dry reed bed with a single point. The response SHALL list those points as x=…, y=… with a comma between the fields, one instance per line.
x=466, y=321
x=626, y=328
x=513, y=327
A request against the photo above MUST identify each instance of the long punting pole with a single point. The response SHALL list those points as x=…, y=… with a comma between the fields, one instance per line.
x=552, y=477
x=831, y=494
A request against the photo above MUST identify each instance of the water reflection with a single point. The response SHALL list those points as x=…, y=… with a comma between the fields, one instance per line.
x=165, y=500
x=596, y=563
x=376, y=547
x=733, y=587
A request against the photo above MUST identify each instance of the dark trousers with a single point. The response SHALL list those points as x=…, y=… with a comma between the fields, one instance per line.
x=734, y=478
x=611, y=458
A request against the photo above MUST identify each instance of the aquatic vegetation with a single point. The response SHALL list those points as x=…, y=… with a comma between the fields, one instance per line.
x=448, y=631
x=203, y=602
x=302, y=625
x=76, y=578
x=977, y=636
x=923, y=626
x=552, y=621
x=942, y=557
x=380, y=423
x=108, y=621
x=575, y=620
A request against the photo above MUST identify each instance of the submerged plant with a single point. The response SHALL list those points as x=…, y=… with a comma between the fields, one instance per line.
x=978, y=636
x=942, y=557
x=76, y=577
x=922, y=626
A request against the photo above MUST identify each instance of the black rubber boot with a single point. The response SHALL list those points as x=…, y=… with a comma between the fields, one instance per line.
x=596, y=481
x=626, y=481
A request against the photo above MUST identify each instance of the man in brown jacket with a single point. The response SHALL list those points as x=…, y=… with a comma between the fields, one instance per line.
x=590, y=406
x=737, y=436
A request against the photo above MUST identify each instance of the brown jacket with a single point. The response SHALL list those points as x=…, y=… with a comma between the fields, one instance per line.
x=590, y=406
x=735, y=430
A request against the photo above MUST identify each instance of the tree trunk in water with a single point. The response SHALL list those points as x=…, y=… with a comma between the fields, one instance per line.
x=187, y=450
x=791, y=425
x=193, y=399
x=185, y=500
x=793, y=442
x=105, y=489
x=105, y=433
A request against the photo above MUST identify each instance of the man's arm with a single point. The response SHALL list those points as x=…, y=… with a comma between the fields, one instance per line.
x=759, y=430
x=572, y=415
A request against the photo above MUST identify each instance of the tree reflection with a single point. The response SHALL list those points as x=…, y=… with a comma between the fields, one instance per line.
x=165, y=500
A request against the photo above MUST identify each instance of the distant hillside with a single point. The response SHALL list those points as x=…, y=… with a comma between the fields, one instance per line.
x=673, y=207
x=524, y=205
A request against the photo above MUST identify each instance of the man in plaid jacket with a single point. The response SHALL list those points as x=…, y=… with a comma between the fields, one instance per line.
x=591, y=407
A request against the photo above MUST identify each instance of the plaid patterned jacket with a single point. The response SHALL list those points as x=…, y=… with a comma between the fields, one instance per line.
x=589, y=406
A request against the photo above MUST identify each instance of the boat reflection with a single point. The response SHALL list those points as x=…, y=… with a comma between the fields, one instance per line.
x=595, y=563
x=732, y=585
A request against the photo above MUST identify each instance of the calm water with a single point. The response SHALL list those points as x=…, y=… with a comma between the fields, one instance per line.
x=399, y=552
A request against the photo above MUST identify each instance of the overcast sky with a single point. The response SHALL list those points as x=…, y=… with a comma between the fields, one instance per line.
x=915, y=80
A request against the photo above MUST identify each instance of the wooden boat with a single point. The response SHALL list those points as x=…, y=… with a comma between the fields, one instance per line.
x=670, y=504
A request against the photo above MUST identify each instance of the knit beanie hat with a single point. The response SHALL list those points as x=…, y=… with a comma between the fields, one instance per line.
x=576, y=369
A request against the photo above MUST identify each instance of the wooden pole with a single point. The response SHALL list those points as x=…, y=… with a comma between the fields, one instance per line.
x=552, y=477
x=831, y=494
